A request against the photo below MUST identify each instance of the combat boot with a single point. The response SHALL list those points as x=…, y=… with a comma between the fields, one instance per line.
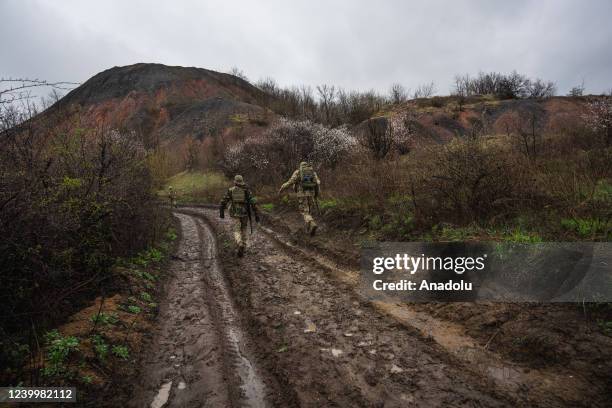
x=313, y=228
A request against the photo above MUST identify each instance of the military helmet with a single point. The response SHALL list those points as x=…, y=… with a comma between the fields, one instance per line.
x=238, y=179
x=302, y=164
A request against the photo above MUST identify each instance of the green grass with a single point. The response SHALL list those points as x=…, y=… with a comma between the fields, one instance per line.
x=605, y=326
x=584, y=227
x=328, y=204
x=197, y=186
x=521, y=236
x=267, y=207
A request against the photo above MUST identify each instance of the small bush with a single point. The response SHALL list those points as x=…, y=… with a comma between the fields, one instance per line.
x=470, y=180
x=121, y=352
x=101, y=348
x=58, y=350
x=133, y=309
x=105, y=319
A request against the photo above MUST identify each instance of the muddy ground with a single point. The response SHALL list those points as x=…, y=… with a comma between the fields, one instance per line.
x=284, y=326
x=564, y=348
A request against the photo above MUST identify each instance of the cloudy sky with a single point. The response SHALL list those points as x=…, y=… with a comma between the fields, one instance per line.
x=354, y=44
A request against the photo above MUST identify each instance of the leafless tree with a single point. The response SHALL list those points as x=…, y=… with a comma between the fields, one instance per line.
x=237, y=72
x=577, y=90
x=541, y=89
x=327, y=94
x=424, y=91
x=398, y=93
x=16, y=89
x=377, y=137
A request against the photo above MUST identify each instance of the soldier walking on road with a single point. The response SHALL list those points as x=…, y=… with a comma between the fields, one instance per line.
x=307, y=185
x=172, y=197
x=242, y=207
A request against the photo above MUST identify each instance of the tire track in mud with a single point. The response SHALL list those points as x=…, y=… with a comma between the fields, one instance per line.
x=251, y=391
x=198, y=356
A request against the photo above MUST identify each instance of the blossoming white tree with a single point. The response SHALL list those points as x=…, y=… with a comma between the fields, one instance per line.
x=599, y=117
x=285, y=144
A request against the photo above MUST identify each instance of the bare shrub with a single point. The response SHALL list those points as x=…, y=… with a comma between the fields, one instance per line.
x=424, y=91
x=376, y=135
x=237, y=72
x=398, y=94
x=70, y=203
x=468, y=180
x=332, y=106
x=505, y=86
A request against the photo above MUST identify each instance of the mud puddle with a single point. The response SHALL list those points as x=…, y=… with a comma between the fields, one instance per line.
x=162, y=395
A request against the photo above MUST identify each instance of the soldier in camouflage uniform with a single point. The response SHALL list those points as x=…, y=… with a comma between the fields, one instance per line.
x=241, y=205
x=172, y=197
x=307, y=185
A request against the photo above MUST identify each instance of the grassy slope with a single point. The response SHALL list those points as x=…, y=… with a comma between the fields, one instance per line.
x=197, y=186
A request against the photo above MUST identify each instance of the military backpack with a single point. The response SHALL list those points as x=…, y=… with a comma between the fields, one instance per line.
x=307, y=177
x=239, y=204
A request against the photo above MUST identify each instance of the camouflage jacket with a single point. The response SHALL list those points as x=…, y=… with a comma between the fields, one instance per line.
x=234, y=210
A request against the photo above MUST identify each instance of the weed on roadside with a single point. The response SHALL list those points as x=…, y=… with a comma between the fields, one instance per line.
x=58, y=350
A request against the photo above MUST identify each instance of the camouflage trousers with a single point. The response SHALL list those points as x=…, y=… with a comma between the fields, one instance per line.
x=306, y=206
x=240, y=232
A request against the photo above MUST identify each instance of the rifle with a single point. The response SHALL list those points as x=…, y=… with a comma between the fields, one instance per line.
x=316, y=203
x=316, y=200
x=248, y=208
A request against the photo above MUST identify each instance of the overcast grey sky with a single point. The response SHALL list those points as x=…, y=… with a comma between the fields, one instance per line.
x=353, y=44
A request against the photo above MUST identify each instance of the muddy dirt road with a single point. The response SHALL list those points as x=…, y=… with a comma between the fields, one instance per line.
x=199, y=355
x=280, y=328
